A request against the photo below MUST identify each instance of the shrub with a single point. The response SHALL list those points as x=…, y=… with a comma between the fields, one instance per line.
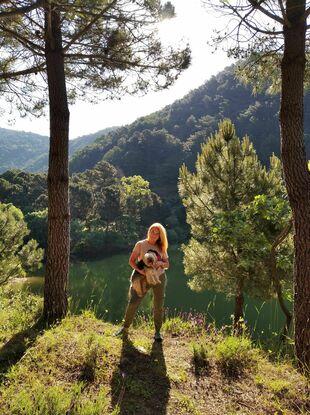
x=234, y=355
x=176, y=326
x=201, y=357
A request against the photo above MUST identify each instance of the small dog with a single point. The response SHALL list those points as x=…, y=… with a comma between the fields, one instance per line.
x=141, y=283
x=152, y=273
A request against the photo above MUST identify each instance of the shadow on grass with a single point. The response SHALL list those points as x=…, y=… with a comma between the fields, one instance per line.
x=140, y=385
x=14, y=349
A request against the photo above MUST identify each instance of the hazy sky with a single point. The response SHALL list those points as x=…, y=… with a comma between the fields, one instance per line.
x=193, y=24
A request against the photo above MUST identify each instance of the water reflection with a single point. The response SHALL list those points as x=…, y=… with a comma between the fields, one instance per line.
x=103, y=286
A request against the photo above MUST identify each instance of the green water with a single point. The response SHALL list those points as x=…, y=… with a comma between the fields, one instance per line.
x=103, y=285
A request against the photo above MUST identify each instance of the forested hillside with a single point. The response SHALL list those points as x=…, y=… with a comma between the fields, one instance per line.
x=155, y=146
x=29, y=151
x=19, y=148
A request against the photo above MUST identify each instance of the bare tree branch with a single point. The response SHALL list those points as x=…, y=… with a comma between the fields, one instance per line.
x=243, y=19
x=256, y=5
x=284, y=13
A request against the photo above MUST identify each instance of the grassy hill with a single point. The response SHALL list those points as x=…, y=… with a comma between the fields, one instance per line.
x=79, y=367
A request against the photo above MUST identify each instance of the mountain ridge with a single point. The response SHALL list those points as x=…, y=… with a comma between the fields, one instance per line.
x=28, y=151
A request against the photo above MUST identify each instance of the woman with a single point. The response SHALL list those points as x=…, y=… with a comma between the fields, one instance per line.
x=157, y=241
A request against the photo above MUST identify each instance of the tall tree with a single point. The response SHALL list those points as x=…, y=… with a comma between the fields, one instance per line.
x=264, y=29
x=228, y=176
x=107, y=46
x=238, y=218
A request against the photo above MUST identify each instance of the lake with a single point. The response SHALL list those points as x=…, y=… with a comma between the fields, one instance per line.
x=103, y=286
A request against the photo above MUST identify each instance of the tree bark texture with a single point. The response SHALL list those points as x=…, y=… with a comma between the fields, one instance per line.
x=58, y=249
x=296, y=173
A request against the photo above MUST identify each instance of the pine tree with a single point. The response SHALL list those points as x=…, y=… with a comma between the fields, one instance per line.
x=227, y=251
x=16, y=256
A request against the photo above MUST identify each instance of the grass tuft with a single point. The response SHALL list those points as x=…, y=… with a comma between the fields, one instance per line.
x=18, y=311
x=201, y=358
x=234, y=355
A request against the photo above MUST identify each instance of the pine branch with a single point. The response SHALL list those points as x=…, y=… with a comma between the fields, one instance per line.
x=24, y=41
x=79, y=34
x=35, y=69
x=112, y=62
x=21, y=10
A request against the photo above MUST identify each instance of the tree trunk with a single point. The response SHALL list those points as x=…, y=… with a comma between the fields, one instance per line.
x=276, y=280
x=278, y=290
x=58, y=249
x=296, y=173
x=238, y=315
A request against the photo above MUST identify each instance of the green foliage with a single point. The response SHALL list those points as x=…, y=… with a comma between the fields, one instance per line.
x=20, y=148
x=176, y=326
x=123, y=377
x=235, y=354
x=15, y=256
x=136, y=196
x=189, y=121
x=278, y=386
x=37, y=224
x=18, y=311
x=201, y=357
x=236, y=210
x=186, y=405
x=91, y=244
x=108, y=212
x=26, y=191
x=29, y=151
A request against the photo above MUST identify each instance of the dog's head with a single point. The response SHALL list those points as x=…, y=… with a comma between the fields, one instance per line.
x=149, y=259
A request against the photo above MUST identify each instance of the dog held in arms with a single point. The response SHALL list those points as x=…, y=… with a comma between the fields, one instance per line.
x=140, y=283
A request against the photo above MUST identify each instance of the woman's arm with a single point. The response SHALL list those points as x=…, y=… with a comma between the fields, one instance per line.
x=133, y=258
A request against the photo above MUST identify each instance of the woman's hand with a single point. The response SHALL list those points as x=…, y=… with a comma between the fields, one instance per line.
x=163, y=264
x=142, y=272
x=160, y=264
